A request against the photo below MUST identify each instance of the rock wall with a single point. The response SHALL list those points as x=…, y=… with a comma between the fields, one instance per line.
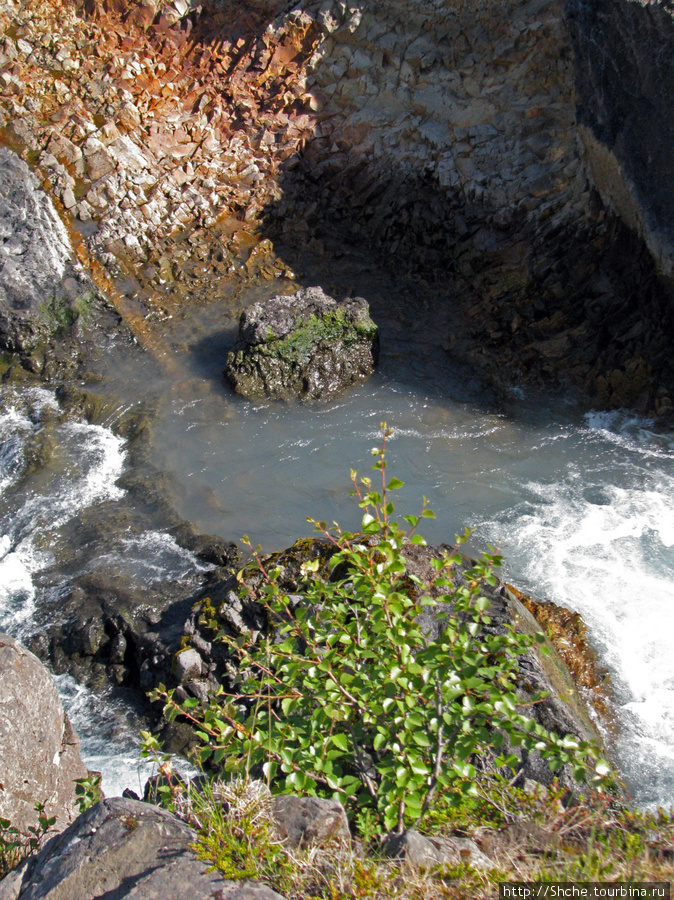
x=447, y=134
x=38, y=282
x=39, y=751
x=625, y=89
x=442, y=132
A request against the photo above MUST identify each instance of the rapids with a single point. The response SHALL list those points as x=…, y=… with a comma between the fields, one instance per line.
x=581, y=504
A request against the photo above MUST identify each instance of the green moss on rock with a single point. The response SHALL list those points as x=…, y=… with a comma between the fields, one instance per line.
x=305, y=346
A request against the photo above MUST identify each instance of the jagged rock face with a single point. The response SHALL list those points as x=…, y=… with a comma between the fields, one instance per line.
x=625, y=93
x=39, y=751
x=438, y=133
x=124, y=848
x=304, y=346
x=37, y=284
x=446, y=137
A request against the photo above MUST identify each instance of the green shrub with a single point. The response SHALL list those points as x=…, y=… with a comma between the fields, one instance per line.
x=347, y=696
x=88, y=791
x=16, y=845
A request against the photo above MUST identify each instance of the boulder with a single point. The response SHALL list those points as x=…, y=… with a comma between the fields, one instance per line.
x=310, y=820
x=305, y=345
x=426, y=852
x=188, y=665
x=39, y=751
x=124, y=848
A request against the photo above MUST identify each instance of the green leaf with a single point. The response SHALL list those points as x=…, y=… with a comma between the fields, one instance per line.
x=340, y=741
x=379, y=741
x=351, y=656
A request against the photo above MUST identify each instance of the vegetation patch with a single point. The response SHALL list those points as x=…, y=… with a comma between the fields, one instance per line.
x=17, y=845
x=346, y=695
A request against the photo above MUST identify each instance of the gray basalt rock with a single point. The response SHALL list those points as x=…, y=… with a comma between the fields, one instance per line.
x=310, y=820
x=304, y=346
x=425, y=852
x=39, y=751
x=38, y=283
x=124, y=848
x=188, y=665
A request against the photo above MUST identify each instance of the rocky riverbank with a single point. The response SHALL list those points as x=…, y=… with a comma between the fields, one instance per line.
x=233, y=840
x=191, y=148
x=182, y=139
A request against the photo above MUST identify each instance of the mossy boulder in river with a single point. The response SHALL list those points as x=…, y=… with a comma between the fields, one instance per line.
x=305, y=345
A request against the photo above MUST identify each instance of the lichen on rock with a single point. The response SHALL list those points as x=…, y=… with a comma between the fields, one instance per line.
x=304, y=345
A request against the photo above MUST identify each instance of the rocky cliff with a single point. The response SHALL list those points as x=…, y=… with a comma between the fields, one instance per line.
x=443, y=132
x=39, y=751
x=624, y=76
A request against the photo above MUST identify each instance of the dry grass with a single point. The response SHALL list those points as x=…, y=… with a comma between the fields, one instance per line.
x=530, y=835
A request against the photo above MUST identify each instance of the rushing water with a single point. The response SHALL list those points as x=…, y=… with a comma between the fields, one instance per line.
x=581, y=505
x=79, y=471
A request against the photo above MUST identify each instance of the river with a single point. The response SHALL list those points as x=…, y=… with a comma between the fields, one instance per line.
x=581, y=504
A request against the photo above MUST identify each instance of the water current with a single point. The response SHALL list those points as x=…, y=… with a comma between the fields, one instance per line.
x=582, y=505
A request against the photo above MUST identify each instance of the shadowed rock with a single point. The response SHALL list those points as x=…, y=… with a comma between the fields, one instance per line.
x=310, y=820
x=38, y=283
x=304, y=346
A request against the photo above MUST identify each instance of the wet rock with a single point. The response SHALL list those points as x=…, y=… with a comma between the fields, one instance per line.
x=304, y=346
x=39, y=751
x=211, y=549
x=39, y=450
x=34, y=259
x=310, y=820
x=118, y=646
x=124, y=848
x=92, y=637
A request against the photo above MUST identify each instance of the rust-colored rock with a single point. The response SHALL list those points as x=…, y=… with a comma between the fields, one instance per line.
x=567, y=632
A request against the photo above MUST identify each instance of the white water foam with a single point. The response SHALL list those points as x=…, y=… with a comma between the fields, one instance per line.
x=91, y=459
x=149, y=558
x=108, y=745
x=608, y=552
